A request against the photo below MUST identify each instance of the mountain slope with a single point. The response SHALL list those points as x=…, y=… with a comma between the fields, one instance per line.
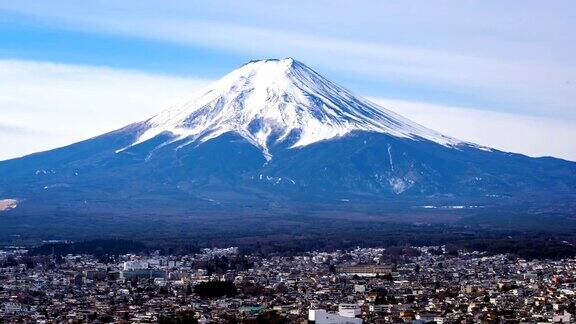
x=272, y=101
x=274, y=137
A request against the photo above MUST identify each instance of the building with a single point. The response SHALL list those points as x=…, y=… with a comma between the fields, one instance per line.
x=142, y=274
x=364, y=270
x=320, y=316
x=562, y=318
x=135, y=265
x=349, y=310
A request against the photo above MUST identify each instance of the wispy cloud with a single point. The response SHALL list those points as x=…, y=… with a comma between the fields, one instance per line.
x=531, y=135
x=7, y=130
x=45, y=105
x=483, y=55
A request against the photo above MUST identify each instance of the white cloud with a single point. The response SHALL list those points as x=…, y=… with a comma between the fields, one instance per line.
x=524, y=58
x=530, y=135
x=45, y=105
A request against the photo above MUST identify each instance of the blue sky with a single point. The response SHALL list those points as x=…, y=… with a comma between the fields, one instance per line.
x=493, y=66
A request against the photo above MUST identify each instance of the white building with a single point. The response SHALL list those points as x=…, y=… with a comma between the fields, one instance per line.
x=564, y=318
x=320, y=316
x=359, y=288
x=364, y=270
x=349, y=310
x=135, y=265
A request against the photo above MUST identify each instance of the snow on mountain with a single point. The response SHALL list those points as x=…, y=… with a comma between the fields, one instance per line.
x=204, y=161
x=273, y=101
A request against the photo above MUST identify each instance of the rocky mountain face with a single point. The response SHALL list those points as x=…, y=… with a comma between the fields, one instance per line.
x=271, y=137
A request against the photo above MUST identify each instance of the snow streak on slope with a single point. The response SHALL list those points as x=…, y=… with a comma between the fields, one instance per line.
x=273, y=101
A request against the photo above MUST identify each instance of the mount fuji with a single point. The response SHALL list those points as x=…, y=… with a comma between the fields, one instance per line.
x=273, y=101
x=275, y=137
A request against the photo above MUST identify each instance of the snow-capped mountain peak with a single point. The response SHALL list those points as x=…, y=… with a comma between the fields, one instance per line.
x=272, y=101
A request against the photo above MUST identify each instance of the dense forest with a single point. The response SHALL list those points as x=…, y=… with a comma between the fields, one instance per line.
x=524, y=245
x=94, y=247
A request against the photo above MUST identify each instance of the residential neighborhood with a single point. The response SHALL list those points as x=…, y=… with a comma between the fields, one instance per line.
x=368, y=285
